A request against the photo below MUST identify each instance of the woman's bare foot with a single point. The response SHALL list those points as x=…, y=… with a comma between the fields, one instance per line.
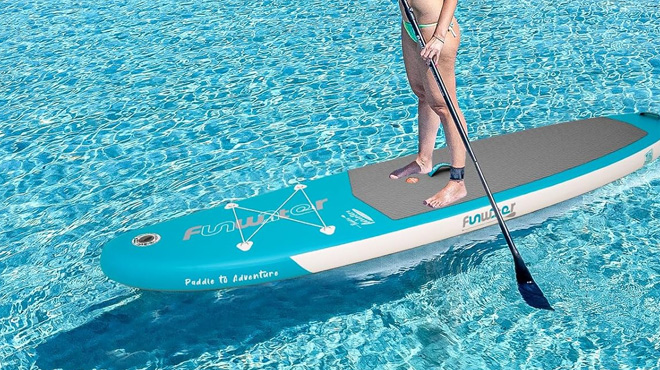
x=453, y=191
x=412, y=168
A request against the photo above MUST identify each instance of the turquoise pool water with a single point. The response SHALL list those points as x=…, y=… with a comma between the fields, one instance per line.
x=128, y=112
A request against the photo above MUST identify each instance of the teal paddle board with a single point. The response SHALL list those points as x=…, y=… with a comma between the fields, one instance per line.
x=363, y=214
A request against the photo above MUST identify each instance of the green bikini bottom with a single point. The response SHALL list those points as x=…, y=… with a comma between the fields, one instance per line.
x=411, y=32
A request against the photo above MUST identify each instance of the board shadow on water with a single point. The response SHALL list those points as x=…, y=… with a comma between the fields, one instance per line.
x=177, y=327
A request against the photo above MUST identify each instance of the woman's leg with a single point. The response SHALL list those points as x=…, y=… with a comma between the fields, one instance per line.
x=428, y=121
x=455, y=189
x=432, y=105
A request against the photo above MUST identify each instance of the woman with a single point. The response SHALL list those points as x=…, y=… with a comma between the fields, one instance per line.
x=442, y=35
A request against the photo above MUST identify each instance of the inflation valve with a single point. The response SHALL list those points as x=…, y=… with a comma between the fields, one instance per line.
x=145, y=240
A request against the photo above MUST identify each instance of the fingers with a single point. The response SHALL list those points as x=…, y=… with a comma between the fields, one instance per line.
x=430, y=56
x=425, y=53
x=431, y=52
x=436, y=58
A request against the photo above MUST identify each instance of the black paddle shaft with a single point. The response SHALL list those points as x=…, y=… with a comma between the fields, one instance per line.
x=530, y=292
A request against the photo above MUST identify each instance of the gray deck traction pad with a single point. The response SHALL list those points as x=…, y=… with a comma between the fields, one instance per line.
x=507, y=161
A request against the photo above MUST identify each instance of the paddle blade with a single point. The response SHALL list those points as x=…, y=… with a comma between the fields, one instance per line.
x=533, y=295
x=528, y=289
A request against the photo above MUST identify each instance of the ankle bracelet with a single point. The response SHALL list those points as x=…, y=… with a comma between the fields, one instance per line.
x=456, y=173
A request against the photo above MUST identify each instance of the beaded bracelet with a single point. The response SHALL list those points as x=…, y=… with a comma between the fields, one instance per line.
x=439, y=39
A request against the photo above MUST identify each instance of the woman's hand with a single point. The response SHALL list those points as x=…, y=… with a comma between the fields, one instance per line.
x=432, y=50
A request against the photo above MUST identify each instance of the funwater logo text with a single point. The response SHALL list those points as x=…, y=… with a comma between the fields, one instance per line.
x=477, y=219
x=250, y=221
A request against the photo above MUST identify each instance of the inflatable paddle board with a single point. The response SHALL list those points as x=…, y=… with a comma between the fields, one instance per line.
x=363, y=214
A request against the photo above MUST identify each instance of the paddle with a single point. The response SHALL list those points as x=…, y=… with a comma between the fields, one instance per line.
x=529, y=290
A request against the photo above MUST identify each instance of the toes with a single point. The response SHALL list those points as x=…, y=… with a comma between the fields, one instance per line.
x=442, y=200
x=432, y=202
